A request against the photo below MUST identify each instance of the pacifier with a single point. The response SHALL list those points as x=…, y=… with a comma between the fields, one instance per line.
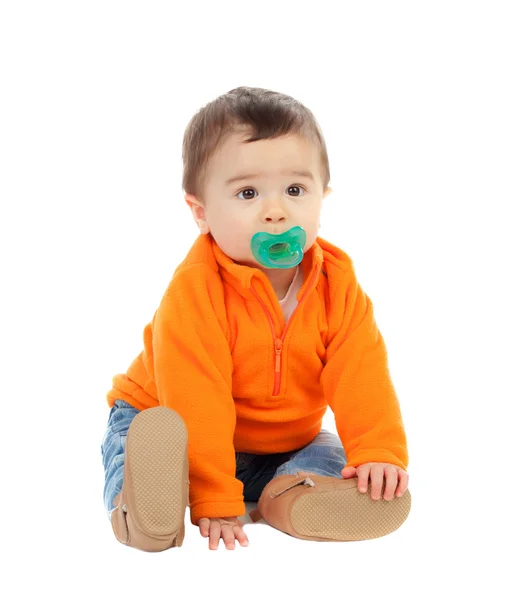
x=279, y=251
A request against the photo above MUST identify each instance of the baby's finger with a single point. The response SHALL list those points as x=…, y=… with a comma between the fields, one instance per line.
x=363, y=473
x=403, y=483
x=240, y=535
x=377, y=479
x=228, y=536
x=204, y=527
x=391, y=482
x=214, y=535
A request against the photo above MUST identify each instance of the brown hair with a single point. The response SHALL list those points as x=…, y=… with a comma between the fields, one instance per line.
x=269, y=115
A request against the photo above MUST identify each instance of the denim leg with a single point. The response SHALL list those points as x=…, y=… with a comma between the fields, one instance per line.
x=255, y=471
x=112, y=450
x=323, y=456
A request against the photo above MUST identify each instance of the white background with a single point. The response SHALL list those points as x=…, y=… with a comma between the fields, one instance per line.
x=423, y=108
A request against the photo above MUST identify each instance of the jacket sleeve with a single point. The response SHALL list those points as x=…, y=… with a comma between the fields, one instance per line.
x=357, y=384
x=193, y=372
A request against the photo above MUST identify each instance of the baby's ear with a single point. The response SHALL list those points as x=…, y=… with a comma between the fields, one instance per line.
x=198, y=212
x=327, y=192
x=191, y=200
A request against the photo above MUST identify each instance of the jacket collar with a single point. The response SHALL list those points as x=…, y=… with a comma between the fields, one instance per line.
x=206, y=250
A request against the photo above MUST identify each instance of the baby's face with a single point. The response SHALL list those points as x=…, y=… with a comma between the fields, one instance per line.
x=269, y=198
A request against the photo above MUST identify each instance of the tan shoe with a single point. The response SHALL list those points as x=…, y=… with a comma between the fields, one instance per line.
x=150, y=513
x=315, y=507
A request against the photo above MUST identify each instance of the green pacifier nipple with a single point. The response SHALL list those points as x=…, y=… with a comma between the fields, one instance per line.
x=279, y=251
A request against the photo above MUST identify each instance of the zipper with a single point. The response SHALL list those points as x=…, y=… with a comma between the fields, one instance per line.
x=279, y=341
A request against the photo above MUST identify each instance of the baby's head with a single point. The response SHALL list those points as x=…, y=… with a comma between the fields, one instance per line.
x=254, y=160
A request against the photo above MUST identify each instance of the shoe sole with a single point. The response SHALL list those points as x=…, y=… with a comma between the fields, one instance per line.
x=156, y=450
x=347, y=514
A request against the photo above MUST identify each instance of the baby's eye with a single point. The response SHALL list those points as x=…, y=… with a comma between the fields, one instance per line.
x=291, y=187
x=243, y=192
x=297, y=187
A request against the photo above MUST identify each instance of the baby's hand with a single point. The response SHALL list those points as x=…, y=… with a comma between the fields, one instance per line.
x=228, y=528
x=396, y=479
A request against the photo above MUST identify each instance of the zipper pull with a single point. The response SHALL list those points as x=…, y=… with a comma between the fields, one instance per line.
x=278, y=347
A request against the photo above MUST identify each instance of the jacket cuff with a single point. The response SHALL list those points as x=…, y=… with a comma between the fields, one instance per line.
x=215, y=509
x=382, y=456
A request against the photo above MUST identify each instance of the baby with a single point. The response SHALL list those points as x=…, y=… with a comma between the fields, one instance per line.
x=261, y=328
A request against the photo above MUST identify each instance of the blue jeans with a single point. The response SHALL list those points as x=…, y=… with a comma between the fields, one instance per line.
x=323, y=456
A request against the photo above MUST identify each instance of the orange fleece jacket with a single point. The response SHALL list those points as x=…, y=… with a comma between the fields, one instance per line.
x=219, y=352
